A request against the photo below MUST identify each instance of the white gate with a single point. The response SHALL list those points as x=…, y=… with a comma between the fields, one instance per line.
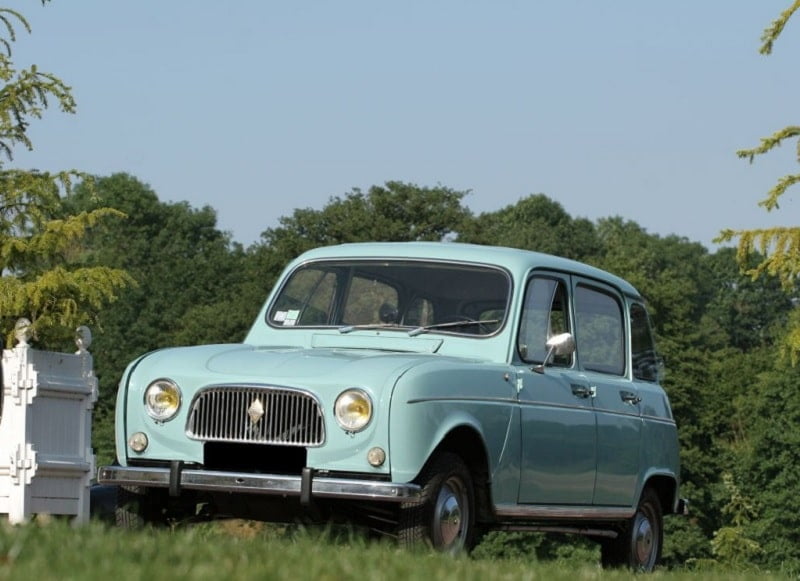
x=46, y=458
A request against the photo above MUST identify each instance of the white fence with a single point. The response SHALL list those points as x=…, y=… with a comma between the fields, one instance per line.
x=46, y=459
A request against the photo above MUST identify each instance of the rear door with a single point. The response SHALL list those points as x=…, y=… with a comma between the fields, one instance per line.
x=602, y=350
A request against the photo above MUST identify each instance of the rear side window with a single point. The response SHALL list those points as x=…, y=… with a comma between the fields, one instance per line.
x=599, y=330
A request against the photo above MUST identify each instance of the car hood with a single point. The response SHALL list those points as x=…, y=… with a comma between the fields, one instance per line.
x=217, y=364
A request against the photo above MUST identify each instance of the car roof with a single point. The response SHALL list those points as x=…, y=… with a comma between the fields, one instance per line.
x=515, y=260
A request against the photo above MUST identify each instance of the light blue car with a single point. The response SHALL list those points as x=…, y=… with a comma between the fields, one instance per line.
x=425, y=390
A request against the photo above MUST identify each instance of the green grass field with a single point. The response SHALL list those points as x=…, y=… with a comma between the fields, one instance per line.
x=236, y=550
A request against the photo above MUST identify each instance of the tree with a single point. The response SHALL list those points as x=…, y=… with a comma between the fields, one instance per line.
x=770, y=468
x=750, y=313
x=534, y=223
x=188, y=278
x=38, y=244
x=396, y=211
x=780, y=246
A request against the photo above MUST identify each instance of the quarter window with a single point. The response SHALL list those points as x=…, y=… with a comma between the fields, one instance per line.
x=545, y=314
x=599, y=331
x=645, y=360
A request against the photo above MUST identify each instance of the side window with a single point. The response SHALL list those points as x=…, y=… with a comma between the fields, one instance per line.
x=370, y=301
x=645, y=360
x=545, y=313
x=599, y=331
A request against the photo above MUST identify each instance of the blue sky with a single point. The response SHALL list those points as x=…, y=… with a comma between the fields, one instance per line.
x=255, y=107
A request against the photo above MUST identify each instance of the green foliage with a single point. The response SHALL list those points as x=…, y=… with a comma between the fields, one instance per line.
x=187, y=273
x=780, y=246
x=685, y=542
x=396, y=211
x=750, y=313
x=39, y=245
x=770, y=470
x=25, y=94
x=534, y=223
x=730, y=543
x=774, y=30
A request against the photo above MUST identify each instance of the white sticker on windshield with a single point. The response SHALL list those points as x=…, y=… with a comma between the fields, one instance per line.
x=291, y=318
x=279, y=317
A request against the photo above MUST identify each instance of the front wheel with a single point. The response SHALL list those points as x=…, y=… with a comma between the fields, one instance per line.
x=445, y=517
x=638, y=546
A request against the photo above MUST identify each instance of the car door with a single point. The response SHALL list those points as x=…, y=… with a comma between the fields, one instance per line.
x=602, y=339
x=558, y=449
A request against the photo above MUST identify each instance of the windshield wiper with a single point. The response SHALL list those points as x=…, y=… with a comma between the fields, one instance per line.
x=368, y=326
x=464, y=323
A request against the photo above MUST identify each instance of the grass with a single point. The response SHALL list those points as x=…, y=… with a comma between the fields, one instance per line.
x=56, y=550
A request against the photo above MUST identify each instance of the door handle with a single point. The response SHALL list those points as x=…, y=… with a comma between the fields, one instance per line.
x=629, y=397
x=582, y=391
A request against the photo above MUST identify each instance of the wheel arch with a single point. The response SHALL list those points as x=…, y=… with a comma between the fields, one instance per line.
x=666, y=488
x=466, y=442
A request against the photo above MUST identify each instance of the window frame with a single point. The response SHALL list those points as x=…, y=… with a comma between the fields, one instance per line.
x=624, y=342
x=353, y=264
x=562, y=282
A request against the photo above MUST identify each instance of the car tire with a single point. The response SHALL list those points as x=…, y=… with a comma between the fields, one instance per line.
x=638, y=546
x=445, y=516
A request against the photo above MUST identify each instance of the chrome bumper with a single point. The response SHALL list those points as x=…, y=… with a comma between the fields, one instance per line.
x=306, y=487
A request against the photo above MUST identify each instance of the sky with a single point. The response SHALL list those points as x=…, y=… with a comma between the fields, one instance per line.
x=255, y=107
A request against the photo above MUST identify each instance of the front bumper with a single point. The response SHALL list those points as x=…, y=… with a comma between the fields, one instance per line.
x=306, y=487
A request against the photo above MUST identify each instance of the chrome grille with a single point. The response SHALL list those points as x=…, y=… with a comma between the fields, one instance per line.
x=260, y=415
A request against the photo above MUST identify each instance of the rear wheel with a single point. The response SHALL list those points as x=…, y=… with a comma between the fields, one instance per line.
x=638, y=546
x=445, y=517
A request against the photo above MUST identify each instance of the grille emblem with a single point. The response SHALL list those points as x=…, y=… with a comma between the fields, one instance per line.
x=256, y=411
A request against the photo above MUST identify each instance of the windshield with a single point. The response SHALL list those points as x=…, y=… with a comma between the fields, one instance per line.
x=393, y=294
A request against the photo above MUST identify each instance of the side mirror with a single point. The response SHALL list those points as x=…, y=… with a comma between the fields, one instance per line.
x=562, y=344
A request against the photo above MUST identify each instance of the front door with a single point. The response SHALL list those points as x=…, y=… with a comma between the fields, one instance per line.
x=559, y=432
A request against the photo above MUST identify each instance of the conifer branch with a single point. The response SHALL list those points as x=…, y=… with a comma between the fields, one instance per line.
x=774, y=30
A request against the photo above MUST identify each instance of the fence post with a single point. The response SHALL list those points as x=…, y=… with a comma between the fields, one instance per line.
x=46, y=458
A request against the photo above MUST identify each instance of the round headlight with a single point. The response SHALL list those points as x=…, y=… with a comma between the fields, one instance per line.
x=353, y=409
x=162, y=400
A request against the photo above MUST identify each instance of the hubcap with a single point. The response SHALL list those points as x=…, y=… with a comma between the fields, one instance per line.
x=644, y=542
x=449, y=516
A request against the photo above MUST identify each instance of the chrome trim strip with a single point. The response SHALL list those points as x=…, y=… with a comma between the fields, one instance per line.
x=613, y=412
x=611, y=534
x=534, y=511
x=518, y=402
x=269, y=484
x=543, y=404
x=505, y=400
x=660, y=419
